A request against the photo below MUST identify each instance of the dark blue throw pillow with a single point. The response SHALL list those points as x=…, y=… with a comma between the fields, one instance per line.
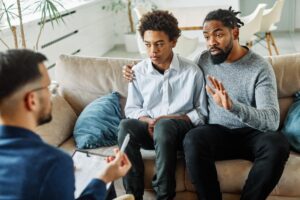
x=291, y=127
x=97, y=125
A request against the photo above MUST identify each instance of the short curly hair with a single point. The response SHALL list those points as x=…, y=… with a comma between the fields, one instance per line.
x=159, y=20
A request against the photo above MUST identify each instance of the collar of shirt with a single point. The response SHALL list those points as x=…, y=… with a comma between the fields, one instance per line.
x=173, y=66
x=17, y=132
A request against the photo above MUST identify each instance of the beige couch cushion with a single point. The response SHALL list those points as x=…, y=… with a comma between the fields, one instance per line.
x=232, y=179
x=62, y=124
x=287, y=71
x=83, y=79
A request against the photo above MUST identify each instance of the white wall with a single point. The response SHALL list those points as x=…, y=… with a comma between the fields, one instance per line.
x=297, y=16
x=193, y=3
x=87, y=31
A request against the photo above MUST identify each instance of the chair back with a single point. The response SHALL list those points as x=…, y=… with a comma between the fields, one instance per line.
x=271, y=17
x=252, y=24
x=139, y=11
x=186, y=46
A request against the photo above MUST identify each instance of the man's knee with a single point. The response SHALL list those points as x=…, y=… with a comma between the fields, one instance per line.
x=124, y=127
x=164, y=132
x=276, y=147
x=164, y=125
x=196, y=137
x=190, y=138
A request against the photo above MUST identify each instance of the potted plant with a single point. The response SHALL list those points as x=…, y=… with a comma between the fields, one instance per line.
x=47, y=8
x=119, y=5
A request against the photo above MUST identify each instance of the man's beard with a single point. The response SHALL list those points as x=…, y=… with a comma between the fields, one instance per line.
x=223, y=55
x=44, y=119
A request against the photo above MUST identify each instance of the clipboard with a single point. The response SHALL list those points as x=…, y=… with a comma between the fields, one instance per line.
x=87, y=166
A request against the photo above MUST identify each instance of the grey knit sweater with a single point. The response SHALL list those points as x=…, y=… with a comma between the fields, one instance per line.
x=251, y=85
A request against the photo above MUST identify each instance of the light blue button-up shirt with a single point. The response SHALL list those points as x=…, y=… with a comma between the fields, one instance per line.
x=179, y=91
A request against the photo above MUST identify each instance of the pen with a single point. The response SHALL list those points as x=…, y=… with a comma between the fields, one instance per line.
x=125, y=143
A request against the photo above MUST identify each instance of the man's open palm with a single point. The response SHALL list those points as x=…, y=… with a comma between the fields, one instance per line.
x=219, y=93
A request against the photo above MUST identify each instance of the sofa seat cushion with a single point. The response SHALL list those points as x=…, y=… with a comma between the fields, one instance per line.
x=225, y=196
x=62, y=124
x=232, y=175
x=68, y=145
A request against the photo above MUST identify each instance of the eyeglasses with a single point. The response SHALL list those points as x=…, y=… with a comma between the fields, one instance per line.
x=52, y=88
x=40, y=88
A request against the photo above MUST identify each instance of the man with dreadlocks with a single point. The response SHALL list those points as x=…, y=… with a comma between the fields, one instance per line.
x=243, y=114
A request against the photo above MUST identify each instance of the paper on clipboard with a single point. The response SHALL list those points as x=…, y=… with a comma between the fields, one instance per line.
x=87, y=166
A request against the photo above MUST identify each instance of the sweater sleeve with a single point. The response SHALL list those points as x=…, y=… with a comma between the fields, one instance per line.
x=265, y=115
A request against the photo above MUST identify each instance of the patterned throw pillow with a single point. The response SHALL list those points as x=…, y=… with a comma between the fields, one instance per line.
x=291, y=127
x=97, y=125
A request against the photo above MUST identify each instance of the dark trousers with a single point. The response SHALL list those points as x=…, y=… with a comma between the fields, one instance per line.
x=205, y=144
x=167, y=139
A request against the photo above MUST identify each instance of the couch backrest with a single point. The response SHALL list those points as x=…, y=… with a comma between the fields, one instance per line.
x=287, y=71
x=83, y=79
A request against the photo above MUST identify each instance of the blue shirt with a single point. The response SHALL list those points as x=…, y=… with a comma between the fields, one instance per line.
x=179, y=90
x=31, y=169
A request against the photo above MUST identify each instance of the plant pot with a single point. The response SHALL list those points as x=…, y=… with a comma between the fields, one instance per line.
x=130, y=41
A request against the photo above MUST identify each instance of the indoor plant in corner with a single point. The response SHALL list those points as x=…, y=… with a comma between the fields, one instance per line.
x=119, y=5
x=48, y=10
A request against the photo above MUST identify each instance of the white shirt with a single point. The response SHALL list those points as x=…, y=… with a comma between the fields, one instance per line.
x=179, y=91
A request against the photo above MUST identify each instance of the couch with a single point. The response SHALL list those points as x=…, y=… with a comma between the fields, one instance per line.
x=83, y=79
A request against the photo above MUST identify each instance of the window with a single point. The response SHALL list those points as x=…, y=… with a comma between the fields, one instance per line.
x=29, y=6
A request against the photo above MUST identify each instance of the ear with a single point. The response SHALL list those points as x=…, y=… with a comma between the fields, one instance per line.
x=174, y=42
x=236, y=33
x=30, y=101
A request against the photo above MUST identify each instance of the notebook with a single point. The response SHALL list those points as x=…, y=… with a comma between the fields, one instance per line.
x=87, y=166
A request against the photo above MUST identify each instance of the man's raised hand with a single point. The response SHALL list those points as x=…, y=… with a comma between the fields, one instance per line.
x=218, y=92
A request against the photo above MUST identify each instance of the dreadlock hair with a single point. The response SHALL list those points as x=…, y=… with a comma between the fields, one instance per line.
x=227, y=17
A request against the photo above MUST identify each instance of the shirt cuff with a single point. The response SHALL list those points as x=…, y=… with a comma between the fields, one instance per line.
x=194, y=117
